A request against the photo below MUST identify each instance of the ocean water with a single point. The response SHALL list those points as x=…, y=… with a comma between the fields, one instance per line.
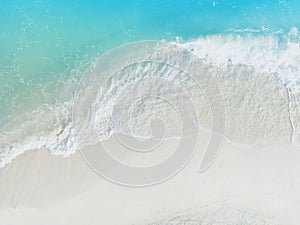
x=47, y=47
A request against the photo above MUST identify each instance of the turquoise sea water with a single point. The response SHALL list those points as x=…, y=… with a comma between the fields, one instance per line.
x=46, y=45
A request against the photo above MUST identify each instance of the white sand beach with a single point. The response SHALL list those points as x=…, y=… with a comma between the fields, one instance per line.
x=244, y=185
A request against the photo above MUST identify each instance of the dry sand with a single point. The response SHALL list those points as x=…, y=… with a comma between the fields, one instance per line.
x=244, y=186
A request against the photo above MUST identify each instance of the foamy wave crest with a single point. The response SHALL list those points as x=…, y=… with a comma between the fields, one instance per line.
x=258, y=74
x=49, y=127
x=276, y=55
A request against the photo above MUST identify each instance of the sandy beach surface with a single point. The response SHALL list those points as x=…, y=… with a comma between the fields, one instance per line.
x=244, y=186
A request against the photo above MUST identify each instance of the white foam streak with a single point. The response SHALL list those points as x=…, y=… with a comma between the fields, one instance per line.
x=271, y=53
x=50, y=126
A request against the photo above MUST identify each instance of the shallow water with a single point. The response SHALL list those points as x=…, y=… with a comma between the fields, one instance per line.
x=46, y=48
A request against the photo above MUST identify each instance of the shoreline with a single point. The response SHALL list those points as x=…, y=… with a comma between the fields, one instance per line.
x=39, y=187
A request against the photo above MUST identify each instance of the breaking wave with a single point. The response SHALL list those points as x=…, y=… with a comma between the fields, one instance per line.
x=257, y=73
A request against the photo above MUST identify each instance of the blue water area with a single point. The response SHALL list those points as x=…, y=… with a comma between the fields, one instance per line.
x=45, y=42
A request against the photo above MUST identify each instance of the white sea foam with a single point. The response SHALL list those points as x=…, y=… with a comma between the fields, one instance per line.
x=276, y=54
x=271, y=53
x=259, y=77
